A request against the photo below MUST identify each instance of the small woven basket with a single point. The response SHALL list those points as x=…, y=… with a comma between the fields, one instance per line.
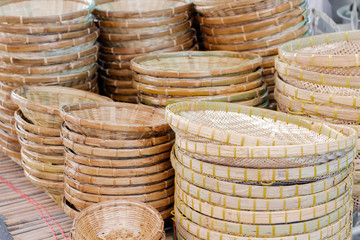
x=120, y=220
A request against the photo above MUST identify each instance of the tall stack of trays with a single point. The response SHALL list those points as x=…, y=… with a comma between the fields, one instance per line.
x=37, y=124
x=117, y=151
x=319, y=78
x=250, y=173
x=166, y=78
x=258, y=26
x=43, y=42
x=135, y=28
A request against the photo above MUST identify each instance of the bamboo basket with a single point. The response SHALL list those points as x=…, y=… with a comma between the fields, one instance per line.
x=41, y=174
x=339, y=52
x=40, y=148
x=45, y=140
x=54, y=159
x=132, y=216
x=42, y=110
x=113, y=120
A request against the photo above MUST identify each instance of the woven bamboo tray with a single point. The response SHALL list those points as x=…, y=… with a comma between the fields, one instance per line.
x=10, y=145
x=295, y=71
x=115, y=162
x=42, y=110
x=256, y=15
x=53, y=159
x=140, y=9
x=19, y=48
x=108, y=143
x=132, y=23
x=181, y=41
x=225, y=135
x=8, y=137
x=316, y=97
x=118, y=190
x=40, y=148
x=123, y=74
x=114, y=120
x=339, y=51
x=45, y=140
x=320, y=196
x=123, y=98
x=120, y=91
x=114, y=65
x=23, y=13
x=243, y=37
x=194, y=64
x=41, y=174
x=292, y=33
x=203, y=91
x=257, y=230
x=116, y=181
x=253, y=26
x=116, y=82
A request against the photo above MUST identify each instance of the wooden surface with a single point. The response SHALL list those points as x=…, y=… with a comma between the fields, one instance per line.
x=23, y=220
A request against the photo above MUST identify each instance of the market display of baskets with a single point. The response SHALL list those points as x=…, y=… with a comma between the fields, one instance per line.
x=54, y=47
x=135, y=28
x=250, y=173
x=117, y=151
x=37, y=125
x=166, y=78
x=119, y=219
x=318, y=78
x=259, y=26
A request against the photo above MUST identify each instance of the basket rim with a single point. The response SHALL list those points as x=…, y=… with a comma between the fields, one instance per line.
x=253, y=62
x=327, y=60
x=23, y=102
x=50, y=19
x=143, y=14
x=40, y=139
x=67, y=117
x=254, y=144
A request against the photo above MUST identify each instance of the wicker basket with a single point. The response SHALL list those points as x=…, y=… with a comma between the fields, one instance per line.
x=129, y=217
x=41, y=104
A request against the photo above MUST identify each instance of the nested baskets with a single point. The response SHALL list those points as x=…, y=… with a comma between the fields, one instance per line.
x=117, y=151
x=259, y=26
x=56, y=47
x=250, y=173
x=130, y=29
x=212, y=76
x=37, y=126
x=119, y=219
x=317, y=78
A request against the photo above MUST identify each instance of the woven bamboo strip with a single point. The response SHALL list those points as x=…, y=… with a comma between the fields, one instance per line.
x=41, y=166
x=41, y=174
x=37, y=138
x=54, y=159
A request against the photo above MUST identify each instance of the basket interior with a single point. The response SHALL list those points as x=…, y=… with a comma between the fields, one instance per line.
x=42, y=8
x=139, y=5
x=121, y=115
x=186, y=63
x=256, y=126
x=120, y=222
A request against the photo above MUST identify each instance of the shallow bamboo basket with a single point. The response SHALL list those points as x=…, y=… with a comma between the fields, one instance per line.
x=41, y=148
x=114, y=120
x=327, y=50
x=41, y=174
x=39, y=157
x=45, y=140
x=41, y=104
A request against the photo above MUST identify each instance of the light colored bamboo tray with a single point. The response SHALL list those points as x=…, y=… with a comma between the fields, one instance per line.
x=8, y=137
x=253, y=26
x=115, y=162
x=45, y=140
x=41, y=174
x=42, y=149
x=260, y=146
x=120, y=119
x=194, y=64
x=342, y=183
x=42, y=166
x=54, y=159
x=256, y=15
x=140, y=9
x=326, y=50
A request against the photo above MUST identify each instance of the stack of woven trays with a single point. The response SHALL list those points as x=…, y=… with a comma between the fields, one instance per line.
x=211, y=76
x=250, y=173
x=38, y=130
x=257, y=26
x=318, y=77
x=56, y=46
x=134, y=28
x=117, y=151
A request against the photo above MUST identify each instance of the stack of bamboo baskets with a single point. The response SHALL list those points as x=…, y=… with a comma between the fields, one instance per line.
x=56, y=46
x=318, y=78
x=38, y=130
x=250, y=173
x=252, y=26
x=212, y=76
x=138, y=27
x=117, y=151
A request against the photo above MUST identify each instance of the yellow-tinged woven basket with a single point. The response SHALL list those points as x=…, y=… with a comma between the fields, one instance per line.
x=118, y=219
